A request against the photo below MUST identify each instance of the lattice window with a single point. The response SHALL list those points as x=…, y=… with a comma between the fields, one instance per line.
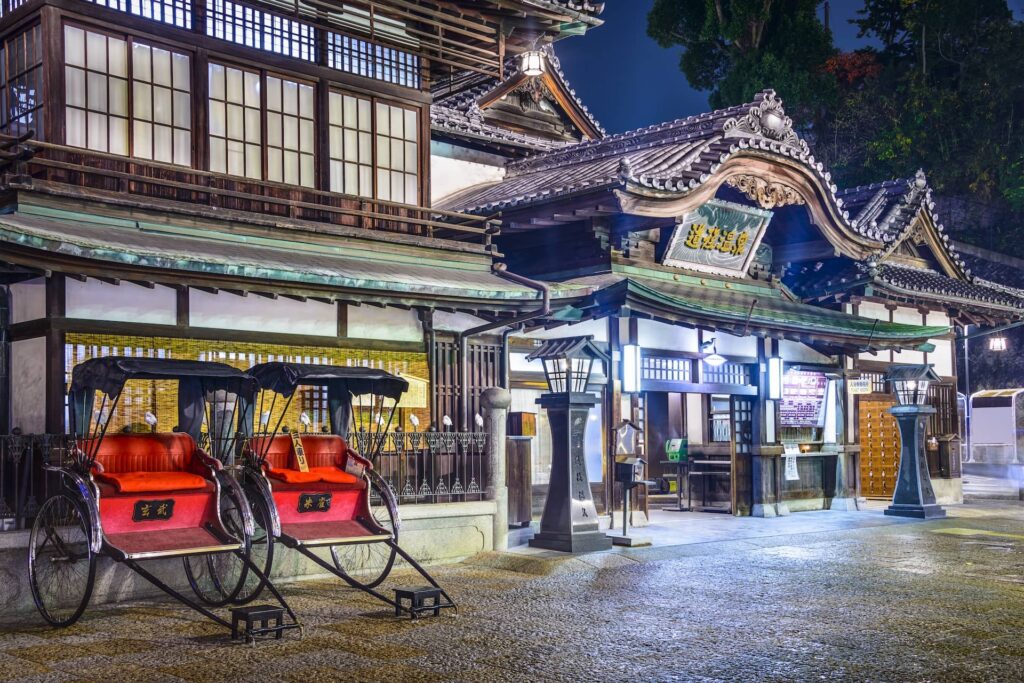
x=161, y=105
x=235, y=125
x=174, y=12
x=243, y=25
x=397, y=156
x=21, y=83
x=363, y=58
x=665, y=369
x=96, y=90
x=290, y=137
x=728, y=373
x=351, y=144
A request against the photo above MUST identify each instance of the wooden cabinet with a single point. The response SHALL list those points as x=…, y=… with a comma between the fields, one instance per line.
x=879, y=448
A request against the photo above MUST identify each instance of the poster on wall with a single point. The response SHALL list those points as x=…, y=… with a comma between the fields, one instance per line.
x=803, y=398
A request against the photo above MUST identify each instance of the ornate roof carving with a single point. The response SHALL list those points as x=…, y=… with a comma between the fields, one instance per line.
x=768, y=194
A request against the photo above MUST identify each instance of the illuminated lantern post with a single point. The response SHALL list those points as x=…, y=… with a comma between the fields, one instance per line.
x=569, y=522
x=914, y=495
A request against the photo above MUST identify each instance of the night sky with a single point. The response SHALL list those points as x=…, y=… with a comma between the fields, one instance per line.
x=630, y=82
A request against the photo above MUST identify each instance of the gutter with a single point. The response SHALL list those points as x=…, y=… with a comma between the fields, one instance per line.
x=462, y=339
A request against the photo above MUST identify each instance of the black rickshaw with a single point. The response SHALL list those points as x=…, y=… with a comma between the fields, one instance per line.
x=143, y=495
x=311, y=490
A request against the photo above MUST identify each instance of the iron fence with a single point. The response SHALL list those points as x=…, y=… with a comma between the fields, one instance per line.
x=429, y=467
x=419, y=467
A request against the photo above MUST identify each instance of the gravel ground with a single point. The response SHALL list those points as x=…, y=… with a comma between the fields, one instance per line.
x=922, y=601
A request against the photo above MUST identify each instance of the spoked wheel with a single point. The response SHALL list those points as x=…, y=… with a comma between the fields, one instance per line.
x=261, y=553
x=217, y=578
x=61, y=564
x=370, y=563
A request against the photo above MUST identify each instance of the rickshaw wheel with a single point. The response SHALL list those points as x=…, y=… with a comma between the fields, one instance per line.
x=216, y=578
x=61, y=563
x=261, y=551
x=373, y=561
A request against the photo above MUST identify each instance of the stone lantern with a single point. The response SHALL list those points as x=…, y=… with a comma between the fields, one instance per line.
x=914, y=495
x=569, y=522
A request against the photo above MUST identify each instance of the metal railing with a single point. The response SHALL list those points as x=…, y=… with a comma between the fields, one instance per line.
x=431, y=467
x=420, y=467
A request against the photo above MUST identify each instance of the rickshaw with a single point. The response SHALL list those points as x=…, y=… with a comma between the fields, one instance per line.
x=311, y=490
x=135, y=496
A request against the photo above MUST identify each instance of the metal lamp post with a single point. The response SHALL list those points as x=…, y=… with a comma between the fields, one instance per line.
x=569, y=522
x=914, y=495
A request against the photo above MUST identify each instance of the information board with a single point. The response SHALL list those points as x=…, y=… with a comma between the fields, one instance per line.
x=803, y=398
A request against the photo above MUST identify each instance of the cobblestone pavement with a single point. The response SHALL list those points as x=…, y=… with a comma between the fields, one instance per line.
x=933, y=601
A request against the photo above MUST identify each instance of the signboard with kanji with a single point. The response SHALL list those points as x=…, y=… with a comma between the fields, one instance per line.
x=803, y=398
x=717, y=237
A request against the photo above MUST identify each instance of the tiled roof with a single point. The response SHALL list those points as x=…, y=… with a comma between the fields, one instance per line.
x=674, y=157
x=890, y=208
x=935, y=285
x=455, y=109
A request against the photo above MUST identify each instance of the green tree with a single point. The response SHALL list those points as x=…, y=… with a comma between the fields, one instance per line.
x=734, y=48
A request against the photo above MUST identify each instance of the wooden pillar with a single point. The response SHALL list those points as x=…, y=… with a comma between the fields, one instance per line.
x=612, y=411
x=55, y=389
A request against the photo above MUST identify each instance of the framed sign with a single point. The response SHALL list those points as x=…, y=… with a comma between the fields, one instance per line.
x=860, y=386
x=803, y=398
x=717, y=237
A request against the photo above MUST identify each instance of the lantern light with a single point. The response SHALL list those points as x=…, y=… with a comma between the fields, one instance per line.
x=774, y=378
x=533, y=63
x=567, y=363
x=997, y=343
x=631, y=368
x=910, y=383
x=713, y=359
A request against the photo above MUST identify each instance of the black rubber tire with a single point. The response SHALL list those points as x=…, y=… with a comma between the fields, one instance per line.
x=216, y=578
x=59, y=556
x=261, y=551
x=379, y=555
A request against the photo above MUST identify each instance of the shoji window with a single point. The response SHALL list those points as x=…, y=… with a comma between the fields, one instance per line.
x=290, y=136
x=127, y=97
x=96, y=90
x=21, y=83
x=235, y=122
x=397, y=165
x=161, y=105
x=351, y=144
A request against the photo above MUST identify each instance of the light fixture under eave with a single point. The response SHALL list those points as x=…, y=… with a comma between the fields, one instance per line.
x=997, y=343
x=713, y=359
x=532, y=63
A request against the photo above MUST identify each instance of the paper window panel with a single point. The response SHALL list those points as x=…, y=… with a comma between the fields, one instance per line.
x=235, y=122
x=96, y=91
x=289, y=132
x=350, y=144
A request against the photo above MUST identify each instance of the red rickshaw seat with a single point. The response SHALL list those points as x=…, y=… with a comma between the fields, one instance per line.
x=149, y=463
x=153, y=482
x=326, y=455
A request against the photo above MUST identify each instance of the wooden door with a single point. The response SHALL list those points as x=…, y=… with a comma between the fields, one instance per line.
x=742, y=447
x=879, y=448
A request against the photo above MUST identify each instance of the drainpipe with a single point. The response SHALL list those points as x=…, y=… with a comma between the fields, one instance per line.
x=501, y=270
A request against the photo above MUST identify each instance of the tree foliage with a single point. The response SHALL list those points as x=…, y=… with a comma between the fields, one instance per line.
x=944, y=90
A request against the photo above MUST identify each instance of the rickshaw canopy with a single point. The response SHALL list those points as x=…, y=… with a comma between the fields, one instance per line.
x=284, y=377
x=196, y=381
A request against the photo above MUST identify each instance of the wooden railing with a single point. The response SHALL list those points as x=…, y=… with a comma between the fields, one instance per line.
x=88, y=174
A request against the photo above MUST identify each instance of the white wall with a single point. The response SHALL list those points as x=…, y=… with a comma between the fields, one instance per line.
x=795, y=352
x=259, y=314
x=729, y=345
x=655, y=335
x=872, y=311
x=448, y=176
x=394, y=324
x=942, y=356
x=124, y=302
x=907, y=316
x=694, y=418
x=28, y=300
x=28, y=385
x=457, y=322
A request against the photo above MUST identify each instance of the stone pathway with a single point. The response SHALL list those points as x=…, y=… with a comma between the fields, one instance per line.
x=810, y=600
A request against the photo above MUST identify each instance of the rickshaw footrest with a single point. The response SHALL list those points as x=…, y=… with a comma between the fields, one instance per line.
x=257, y=621
x=417, y=598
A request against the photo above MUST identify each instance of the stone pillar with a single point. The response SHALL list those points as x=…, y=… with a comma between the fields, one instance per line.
x=495, y=403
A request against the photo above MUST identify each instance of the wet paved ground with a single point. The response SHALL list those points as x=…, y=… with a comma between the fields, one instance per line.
x=935, y=601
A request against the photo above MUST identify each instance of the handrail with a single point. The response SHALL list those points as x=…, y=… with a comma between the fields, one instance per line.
x=290, y=201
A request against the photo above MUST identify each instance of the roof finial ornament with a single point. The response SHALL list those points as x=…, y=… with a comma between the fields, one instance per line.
x=765, y=119
x=625, y=169
x=920, y=180
x=475, y=114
